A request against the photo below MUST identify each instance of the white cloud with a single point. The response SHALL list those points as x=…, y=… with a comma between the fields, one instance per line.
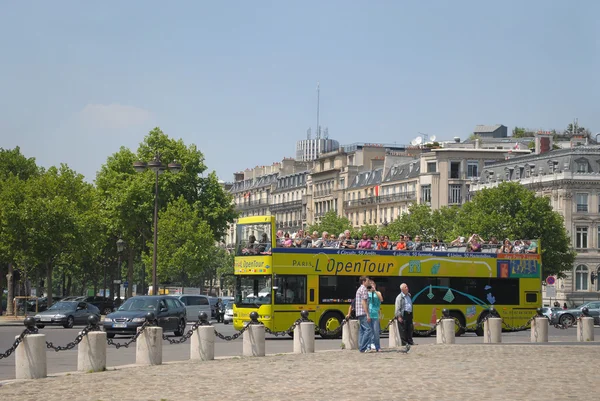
x=113, y=116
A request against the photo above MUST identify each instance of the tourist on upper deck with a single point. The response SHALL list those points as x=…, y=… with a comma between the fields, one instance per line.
x=264, y=245
x=417, y=245
x=518, y=246
x=331, y=242
x=474, y=243
x=375, y=242
x=384, y=244
x=401, y=244
x=348, y=242
x=437, y=246
x=506, y=247
x=409, y=244
x=458, y=241
x=365, y=243
x=321, y=242
x=340, y=240
x=287, y=241
x=279, y=238
x=531, y=246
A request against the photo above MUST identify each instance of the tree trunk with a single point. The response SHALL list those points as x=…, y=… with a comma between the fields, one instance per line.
x=130, y=273
x=69, y=282
x=49, y=283
x=2, y=277
x=11, y=290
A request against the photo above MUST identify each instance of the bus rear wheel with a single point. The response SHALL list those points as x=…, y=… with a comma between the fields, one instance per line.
x=329, y=322
x=458, y=331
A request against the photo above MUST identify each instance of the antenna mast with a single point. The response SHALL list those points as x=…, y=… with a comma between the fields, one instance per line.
x=318, y=105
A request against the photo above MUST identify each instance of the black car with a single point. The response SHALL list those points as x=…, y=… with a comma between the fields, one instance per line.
x=66, y=314
x=106, y=305
x=169, y=312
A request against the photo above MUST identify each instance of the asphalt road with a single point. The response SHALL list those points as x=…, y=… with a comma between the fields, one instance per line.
x=66, y=361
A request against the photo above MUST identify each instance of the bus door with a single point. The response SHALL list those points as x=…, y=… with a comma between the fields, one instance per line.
x=291, y=297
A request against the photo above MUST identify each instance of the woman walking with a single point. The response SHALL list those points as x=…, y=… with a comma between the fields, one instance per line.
x=374, y=302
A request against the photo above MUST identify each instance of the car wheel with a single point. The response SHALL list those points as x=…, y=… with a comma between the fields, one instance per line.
x=329, y=322
x=110, y=335
x=40, y=326
x=180, y=329
x=106, y=311
x=567, y=320
x=225, y=322
x=70, y=323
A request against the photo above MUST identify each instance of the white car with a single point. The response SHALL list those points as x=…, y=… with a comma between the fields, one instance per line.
x=228, y=318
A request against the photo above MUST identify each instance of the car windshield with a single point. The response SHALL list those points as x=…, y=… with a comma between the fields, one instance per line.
x=63, y=306
x=143, y=304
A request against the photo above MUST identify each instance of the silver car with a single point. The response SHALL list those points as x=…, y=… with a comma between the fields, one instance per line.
x=228, y=317
x=568, y=317
x=194, y=305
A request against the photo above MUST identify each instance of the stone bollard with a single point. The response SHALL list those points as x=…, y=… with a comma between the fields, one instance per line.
x=148, y=349
x=585, y=329
x=492, y=330
x=445, y=332
x=91, y=352
x=254, y=338
x=30, y=355
x=350, y=334
x=395, y=339
x=539, y=330
x=202, y=346
x=304, y=338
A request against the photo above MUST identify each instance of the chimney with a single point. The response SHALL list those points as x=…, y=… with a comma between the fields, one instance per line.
x=477, y=143
x=543, y=142
x=457, y=139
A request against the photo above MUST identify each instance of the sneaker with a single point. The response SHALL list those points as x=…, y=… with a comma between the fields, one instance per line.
x=373, y=347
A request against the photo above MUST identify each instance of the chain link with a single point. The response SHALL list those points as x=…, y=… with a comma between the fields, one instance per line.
x=18, y=341
x=134, y=339
x=187, y=335
x=234, y=336
x=288, y=331
x=334, y=332
x=70, y=345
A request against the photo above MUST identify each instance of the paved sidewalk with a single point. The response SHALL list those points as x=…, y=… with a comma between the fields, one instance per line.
x=427, y=372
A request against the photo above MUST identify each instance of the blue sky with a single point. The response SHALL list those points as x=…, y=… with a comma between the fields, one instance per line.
x=80, y=79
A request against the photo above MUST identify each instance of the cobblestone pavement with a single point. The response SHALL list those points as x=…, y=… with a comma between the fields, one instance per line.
x=427, y=372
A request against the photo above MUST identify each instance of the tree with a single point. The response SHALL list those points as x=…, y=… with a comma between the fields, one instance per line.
x=513, y=211
x=185, y=246
x=519, y=132
x=331, y=223
x=416, y=222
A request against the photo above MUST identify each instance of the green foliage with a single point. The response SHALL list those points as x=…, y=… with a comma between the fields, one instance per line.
x=370, y=229
x=332, y=223
x=519, y=132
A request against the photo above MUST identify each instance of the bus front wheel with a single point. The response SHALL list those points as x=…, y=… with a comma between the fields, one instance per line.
x=329, y=322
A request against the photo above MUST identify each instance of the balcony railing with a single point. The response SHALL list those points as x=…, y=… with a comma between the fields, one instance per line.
x=252, y=204
x=323, y=192
x=457, y=175
x=404, y=196
x=276, y=207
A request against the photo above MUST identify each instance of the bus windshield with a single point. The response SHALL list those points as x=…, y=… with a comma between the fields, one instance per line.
x=253, y=290
x=253, y=239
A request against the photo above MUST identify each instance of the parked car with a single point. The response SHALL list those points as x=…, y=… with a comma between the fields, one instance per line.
x=547, y=311
x=168, y=310
x=569, y=316
x=66, y=314
x=228, y=318
x=106, y=305
x=42, y=303
x=194, y=304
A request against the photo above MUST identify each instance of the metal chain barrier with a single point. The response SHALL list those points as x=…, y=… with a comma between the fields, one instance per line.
x=288, y=331
x=72, y=344
x=133, y=339
x=18, y=341
x=333, y=332
x=200, y=322
x=234, y=336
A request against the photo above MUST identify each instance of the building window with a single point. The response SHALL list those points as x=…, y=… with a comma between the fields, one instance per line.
x=455, y=194
x=581, y=278
x=582, y=166
x=472, y=169
x=425, y=193
x=455, y=170
x=598, y=242
x=342, y=183
x=582, y=202
x=581, y=238
x=431, y=167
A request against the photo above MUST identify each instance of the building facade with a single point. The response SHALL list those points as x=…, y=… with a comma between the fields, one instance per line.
x=570, y=178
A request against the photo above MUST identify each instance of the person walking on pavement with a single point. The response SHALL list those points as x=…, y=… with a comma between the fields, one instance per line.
x=375, y=299
x=404, y=316
x=364, y=333
x=219, y=310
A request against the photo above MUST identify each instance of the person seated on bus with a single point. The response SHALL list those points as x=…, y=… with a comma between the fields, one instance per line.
x=506, y=247
x=384, y=244
x=279, y=240
x=264, y=245
x=401, y=244
x=348, y=242
x=531, y=246
x=287, y=241
x=332, y=242
x=375, y=242
x=518, y=246
x=251, y=247
x=302, y=240
x=364, y=243
x=437, y=246
x=474, y=244
x=409, y=243
x=417, y=245
x=319, y=242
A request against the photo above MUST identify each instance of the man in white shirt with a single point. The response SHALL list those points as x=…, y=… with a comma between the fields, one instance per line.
x=404, y=315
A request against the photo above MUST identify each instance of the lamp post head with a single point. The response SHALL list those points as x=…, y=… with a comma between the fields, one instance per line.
x=140, y=167
x=175, y=167
x=120, y=245
x=155, y=165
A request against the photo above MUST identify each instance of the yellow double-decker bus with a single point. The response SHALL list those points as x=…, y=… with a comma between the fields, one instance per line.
x=279, y=282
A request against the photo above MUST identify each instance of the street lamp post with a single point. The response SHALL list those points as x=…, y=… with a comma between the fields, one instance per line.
x=120, y=246
x=157, y=167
